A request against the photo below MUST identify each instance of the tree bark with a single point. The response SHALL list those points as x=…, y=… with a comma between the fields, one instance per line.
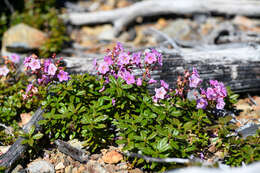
x=237, y=66
x=123, y=16
x=15, y=152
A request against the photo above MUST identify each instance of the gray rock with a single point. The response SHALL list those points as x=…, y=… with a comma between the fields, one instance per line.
x=18, y=169
x=40, y=166
x=253, y=168
x=179, y=29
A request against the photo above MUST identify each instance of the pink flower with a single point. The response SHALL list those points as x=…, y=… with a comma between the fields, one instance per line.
x=108, y=60
x=103, y=68
x=158, y=55
x=113, y=102
x=102, y=89
x=45, y=79
x=63, y=76
x=52, y=69
x=95, y=62
x=220, y=103
x=139, y=82
x=35, y=64
x=202, y=103
x=150, y=58
x=28, y=89
x=26, y=61
x=130, y=79
x=151, y=81
x=194, y=79
x=211, y=95
x=160, y=92
x=15, y=58
x=118, y=47
x=4, y=71
x=155, y=100
x=164, y=84
x=124, y=58
x=46, y=64
x=137, y=58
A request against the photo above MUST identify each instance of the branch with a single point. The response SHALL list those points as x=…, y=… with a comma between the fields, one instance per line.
x=9, y=6
x=153, y=159
x=123, y=16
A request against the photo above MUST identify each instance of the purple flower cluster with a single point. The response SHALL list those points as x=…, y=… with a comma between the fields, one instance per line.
x=214, y=94
x=119, y=63
x=46, y=71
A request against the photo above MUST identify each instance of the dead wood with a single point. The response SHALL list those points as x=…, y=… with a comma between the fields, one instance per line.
x=123, y=16
x=73, y=152
x=15, y=152
x=237, y=66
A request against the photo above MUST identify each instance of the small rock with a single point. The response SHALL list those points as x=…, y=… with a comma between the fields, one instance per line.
x=112, y=157
x=178, y=29
x=22, y=38
x=110, y=168
x=107, y=33
x=25, y=118
x=4, y=149
x=94, y=167
x=136, y=170
x=60, y=165
x=81, y=169
x=68, y=169
x=74, y=170
x=95, y=156
x=40, y=166
x=17, y=169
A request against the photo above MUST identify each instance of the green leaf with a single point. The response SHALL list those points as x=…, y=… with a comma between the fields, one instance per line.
x=100, y=118
x=163, y=145
x=126, y=86
x=80, y=93
x=151, y=136
x=31, y=131
x=112, y=79
x=176, y=113
x=30, y=142
x=187, y=126
x=38, y=136
x=131, y=97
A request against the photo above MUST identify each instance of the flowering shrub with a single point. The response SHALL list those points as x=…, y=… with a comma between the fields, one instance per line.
x=46, y=71
x=116, y=107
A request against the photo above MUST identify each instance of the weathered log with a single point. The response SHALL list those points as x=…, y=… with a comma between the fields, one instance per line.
x=238, y=66
x=15, y=152
x=73, y=152
x=123, y=16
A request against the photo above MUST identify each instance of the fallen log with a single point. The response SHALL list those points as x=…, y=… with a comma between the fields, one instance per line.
x=123, y=16
x=15, y=152
x=238, y=66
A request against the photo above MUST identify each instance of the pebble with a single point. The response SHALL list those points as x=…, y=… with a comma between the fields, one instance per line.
x=60, y=165
x=40, y=166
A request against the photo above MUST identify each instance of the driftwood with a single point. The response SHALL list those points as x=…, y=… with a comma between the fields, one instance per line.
x=123, y=16
x=15, y=152
x=73, y=152
x=238, y=66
